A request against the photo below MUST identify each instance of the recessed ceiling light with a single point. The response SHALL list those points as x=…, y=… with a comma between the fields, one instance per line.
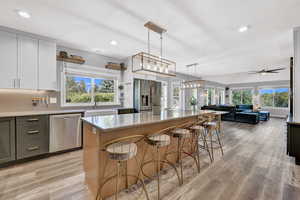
x=243, y=29
x=114, y=42
x=23, y=14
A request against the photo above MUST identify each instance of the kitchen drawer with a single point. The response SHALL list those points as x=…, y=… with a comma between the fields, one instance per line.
x=32, y=136
x=32, y=121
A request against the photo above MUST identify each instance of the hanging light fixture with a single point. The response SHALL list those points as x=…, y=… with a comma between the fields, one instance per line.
x=192, y=83
x=147, y=63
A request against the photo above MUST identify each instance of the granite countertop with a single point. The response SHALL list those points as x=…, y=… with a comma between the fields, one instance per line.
x=38, y=112
x=111, y=122
x=290, y=120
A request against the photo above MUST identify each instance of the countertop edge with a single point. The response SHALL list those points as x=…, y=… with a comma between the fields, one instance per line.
x=134, y=125
x=32, y=113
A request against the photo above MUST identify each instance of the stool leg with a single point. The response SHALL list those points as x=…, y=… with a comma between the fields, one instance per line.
x=179, y=151
x=117, y=181
x=205, y=144
x=158, y=172
x=211, y=144
x=142, y=179
x=197, y=151
x=221, y=147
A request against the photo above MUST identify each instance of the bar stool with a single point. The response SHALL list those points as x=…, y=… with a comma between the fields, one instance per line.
x=212, y=128
x=157, y=141
x=200, y=134
x=181, y=133
x=122, y=150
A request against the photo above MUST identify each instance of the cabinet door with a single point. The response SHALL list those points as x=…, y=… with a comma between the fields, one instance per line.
x=47, y=66
x=7, y=139
x=28, y=62
x=8, y=60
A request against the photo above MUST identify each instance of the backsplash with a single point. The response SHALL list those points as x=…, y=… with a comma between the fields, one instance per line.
x=21, y=100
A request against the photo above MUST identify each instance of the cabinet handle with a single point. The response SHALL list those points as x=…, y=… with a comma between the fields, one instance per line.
x=34, y=148
x=33, y=120
x=33, y=132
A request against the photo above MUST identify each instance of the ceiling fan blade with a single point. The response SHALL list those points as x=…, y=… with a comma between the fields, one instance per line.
x=273, y=70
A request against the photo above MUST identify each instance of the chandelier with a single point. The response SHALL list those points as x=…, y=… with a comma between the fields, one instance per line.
x=147, y=63
x=190, y=84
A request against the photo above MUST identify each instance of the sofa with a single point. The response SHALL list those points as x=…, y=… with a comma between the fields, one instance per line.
x=238, y=113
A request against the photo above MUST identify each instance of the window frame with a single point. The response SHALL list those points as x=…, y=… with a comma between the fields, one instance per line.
x=273, y=96
x=93, y=76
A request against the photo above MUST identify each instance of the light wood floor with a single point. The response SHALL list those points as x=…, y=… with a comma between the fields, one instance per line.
x=255, y=166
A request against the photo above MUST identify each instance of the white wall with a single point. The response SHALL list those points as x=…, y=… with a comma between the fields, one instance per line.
x=296, y=92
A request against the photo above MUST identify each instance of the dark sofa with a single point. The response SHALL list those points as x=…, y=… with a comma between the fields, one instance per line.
x=239, y=113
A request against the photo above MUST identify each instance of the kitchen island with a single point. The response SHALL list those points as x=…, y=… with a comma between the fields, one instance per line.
x=98, y=130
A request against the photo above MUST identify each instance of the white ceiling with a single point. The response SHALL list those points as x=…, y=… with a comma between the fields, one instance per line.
x=203, y=31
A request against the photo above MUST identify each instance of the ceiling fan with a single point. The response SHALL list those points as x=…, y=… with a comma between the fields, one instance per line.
x=267, y=71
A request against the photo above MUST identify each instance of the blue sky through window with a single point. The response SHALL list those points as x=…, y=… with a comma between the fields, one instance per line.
x=88, y=81
x=270, y=91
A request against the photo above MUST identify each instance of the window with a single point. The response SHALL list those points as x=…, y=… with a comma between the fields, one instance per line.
x=164, y=95
x=176, y=97
x=220, y=96
x=274, y=97
x=241, y=96
x=209, y=94
x=80, y=90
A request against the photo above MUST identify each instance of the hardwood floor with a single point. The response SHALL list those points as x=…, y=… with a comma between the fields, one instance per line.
x=255, y=166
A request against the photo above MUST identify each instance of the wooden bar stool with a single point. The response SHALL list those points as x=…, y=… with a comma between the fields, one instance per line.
x=122, y=150
x=200, y=134
x=157, y=141
x=212, y=129
x=183, y=133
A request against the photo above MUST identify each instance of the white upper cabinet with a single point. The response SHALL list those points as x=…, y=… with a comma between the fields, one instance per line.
x=8, y=60
x=28, y=62
x=47, y=66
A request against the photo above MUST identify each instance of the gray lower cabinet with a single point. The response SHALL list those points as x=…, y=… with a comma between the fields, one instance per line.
x=32, y=136
x=7, y=140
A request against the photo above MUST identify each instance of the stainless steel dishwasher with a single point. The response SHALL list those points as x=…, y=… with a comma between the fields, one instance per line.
x=65, y=132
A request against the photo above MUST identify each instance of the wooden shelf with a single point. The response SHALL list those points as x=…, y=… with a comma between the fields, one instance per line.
x=115, y=66
x=71, y=60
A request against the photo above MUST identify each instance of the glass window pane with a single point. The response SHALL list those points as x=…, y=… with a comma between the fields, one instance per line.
x=266, y=97
x=78, y=89
x=176, y=91
x=104, y=90
x=236, y=97
x=281, y=97
x=210, y=96
x=247, y=97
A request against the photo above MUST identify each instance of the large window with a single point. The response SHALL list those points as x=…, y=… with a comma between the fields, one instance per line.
x=274, y=97
x=209, y=94
x=176, y=95
x=80, y=90
x=241, y=96
x=164, y=95
x=220, y=96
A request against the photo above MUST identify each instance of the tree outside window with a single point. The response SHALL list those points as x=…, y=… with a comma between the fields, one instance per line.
x=274, y=97
x=87, y=90
x=241, y=96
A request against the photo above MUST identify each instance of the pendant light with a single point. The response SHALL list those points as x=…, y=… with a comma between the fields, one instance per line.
x=190, y=84
x=147, y=63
